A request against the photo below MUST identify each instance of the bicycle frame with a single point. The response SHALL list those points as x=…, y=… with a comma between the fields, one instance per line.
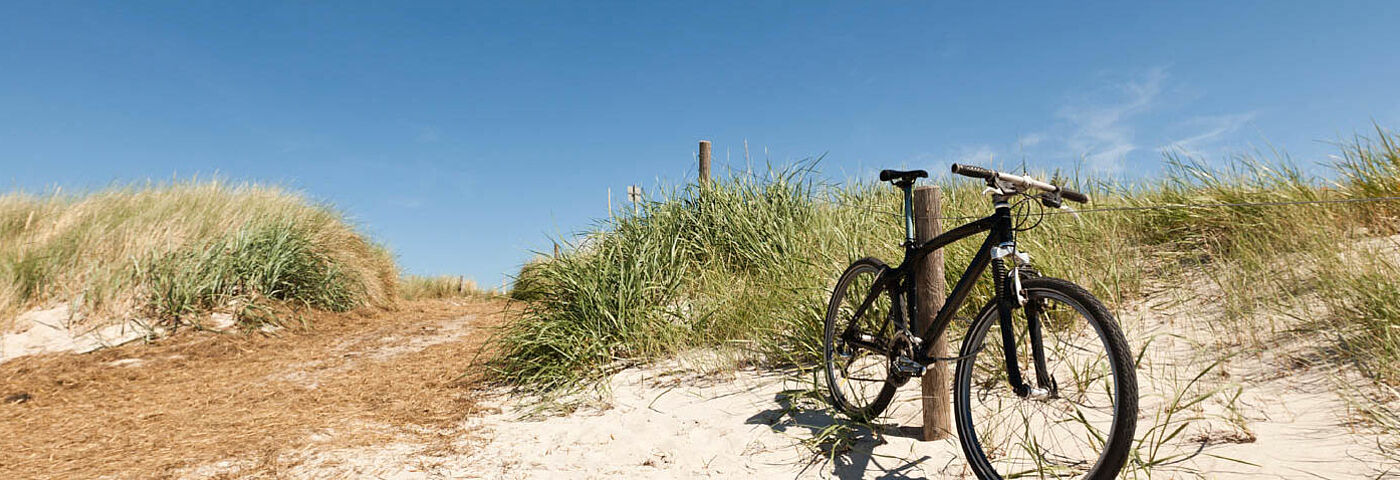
x=900, y=281
x=913, y=254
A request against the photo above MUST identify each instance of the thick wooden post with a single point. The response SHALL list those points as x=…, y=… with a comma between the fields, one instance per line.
x=704, y=162
x=937, y=381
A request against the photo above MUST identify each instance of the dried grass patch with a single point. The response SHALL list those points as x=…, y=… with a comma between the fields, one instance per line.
x=199, y=397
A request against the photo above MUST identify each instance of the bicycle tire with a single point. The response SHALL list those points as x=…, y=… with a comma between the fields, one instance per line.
x=1117, y=446
x=831, y=324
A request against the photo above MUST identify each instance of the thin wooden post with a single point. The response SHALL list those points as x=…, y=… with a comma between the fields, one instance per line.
x=556, y=250
x=704, y=162
x=937, y=381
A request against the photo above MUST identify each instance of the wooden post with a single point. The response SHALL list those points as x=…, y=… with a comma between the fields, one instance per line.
x=556, y=250
x=937, y=381
x=704, y=162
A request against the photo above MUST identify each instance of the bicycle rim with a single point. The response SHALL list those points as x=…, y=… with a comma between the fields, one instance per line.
x=1066, y=435
x=858, y=379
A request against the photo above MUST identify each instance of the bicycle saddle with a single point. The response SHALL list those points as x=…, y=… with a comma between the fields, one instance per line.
x=902, y=175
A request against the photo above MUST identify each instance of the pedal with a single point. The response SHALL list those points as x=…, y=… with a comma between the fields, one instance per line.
x=906, y=366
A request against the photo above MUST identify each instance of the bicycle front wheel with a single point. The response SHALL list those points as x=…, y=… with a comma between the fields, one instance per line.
x=1079, y=422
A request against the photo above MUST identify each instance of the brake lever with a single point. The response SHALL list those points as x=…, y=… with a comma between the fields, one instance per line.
x=1053, y=200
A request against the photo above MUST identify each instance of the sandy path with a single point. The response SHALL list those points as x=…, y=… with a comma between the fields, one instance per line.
x=202, y=404
x=668, y=425
x=662, y=422
x=734, y=427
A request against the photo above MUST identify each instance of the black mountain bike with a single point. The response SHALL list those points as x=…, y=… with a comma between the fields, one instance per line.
x=1075, y=420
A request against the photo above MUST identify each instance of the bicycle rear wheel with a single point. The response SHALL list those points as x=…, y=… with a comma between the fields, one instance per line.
x=858, y=376
x=1079, y=423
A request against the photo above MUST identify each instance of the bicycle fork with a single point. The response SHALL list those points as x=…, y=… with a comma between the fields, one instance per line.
x=1009, y=297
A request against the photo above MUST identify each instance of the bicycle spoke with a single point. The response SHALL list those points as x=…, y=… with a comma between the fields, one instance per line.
x=858, y=369
x=1045, y=437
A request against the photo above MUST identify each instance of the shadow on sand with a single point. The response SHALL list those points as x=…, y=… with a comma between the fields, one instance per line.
x=848, y=446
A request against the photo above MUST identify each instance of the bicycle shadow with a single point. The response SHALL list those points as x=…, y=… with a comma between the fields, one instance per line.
x=847, y=446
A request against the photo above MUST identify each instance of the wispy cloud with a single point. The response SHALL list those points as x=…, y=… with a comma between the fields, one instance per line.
x=1101, y=130
x=1210, y=129
x=1119, y=120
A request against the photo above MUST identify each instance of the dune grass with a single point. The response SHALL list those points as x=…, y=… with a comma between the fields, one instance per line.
x=169, y=251
x=419, y=287
x=747, y=262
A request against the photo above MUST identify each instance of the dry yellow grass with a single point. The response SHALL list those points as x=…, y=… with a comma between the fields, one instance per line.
x=173, y=249
x=153, y=411
x=417, y=287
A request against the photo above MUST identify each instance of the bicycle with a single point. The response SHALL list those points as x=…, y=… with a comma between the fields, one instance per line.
x=1084, y=395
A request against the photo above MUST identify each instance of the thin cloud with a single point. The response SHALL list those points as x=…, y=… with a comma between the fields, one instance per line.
x=1210, y=130
x=1101, y=132
x=1101, y=127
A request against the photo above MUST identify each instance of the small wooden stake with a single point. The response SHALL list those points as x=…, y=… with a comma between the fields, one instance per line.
x=704, y=162
x=936, y=382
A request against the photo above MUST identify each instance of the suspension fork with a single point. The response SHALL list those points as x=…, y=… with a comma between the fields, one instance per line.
x=1042, y=373
x=1006, y=303
x=1006, y=296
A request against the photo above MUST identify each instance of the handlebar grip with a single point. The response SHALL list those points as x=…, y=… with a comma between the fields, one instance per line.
x=971, y=171
x=1073, y=196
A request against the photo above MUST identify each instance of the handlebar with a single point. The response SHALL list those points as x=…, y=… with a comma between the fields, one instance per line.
x=1020, y=181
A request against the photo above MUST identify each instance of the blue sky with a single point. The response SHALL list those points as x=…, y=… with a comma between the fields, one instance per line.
x=465, y=135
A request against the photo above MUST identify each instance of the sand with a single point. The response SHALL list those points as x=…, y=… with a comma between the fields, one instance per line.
x=55, y=329
x=665, y=424
x=735, y=427
x=1265, y=417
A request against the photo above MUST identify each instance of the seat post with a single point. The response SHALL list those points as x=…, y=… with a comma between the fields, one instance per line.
x=908, y=189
